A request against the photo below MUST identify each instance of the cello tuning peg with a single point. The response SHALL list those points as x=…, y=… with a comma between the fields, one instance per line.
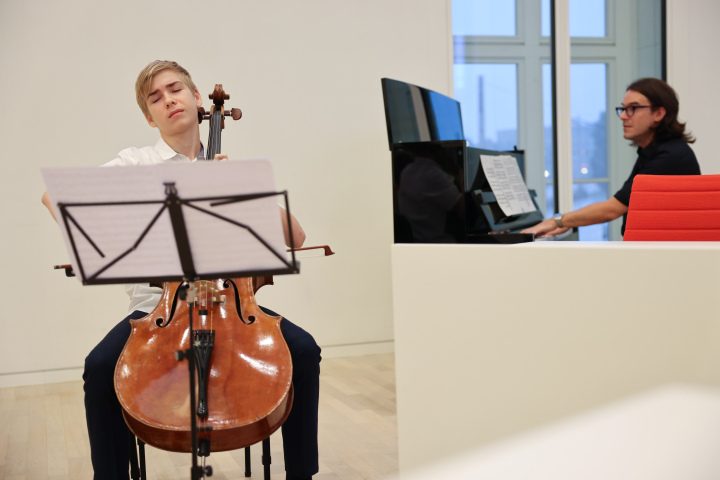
x=235, y=113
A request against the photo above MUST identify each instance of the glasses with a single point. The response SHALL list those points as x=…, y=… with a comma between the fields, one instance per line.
x=630, y=111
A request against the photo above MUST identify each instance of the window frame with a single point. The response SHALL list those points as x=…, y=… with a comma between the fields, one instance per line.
x=530, y=50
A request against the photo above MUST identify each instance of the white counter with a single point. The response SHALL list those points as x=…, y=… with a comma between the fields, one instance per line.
x=492, y=341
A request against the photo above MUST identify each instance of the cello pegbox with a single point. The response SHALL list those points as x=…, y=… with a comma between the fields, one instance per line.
x=218, y=96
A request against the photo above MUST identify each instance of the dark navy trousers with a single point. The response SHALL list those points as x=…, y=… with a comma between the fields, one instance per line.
x=109, y=435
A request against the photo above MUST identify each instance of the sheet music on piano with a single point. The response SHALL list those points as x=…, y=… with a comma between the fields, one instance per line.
x=503, y=174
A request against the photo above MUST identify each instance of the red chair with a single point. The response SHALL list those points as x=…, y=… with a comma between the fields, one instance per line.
x=674, y=208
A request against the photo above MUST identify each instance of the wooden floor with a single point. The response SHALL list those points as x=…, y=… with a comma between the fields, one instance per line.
x=43, y=436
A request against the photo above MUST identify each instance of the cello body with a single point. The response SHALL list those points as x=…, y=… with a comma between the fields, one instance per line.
x=249, y=370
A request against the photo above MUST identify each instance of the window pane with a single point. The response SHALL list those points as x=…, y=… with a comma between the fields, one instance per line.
x=587, y=18
x=488, y=97
x=585, y=194
x=547, y=124
x=483, y=17
x=549, y=200
x=588, y=110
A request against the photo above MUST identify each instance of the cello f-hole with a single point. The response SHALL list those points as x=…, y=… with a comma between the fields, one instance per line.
x=180, y=291
x=251, y=319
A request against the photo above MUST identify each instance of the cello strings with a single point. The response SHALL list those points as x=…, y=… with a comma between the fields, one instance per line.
x=207, y=287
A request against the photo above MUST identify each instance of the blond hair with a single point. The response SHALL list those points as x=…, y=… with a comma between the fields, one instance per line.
x=142, y=84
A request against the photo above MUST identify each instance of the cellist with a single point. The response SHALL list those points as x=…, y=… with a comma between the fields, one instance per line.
x=169, y=101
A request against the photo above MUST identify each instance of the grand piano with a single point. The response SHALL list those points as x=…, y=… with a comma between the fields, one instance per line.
x=440, y=191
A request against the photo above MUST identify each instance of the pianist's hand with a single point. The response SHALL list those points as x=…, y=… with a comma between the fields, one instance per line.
x=546, y=227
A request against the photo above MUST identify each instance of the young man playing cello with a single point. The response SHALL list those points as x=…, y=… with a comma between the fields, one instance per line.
x=169, y=100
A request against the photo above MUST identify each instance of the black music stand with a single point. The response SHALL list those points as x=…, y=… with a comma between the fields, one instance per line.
x=175, y=216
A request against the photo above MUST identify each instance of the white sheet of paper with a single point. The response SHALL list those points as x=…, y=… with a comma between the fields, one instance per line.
x=217, y=246
x=504, y=176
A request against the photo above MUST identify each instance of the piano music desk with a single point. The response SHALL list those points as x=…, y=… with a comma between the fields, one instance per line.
x=494, y=340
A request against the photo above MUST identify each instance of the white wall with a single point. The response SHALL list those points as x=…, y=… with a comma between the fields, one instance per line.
x=307, y=77
x=694, y=71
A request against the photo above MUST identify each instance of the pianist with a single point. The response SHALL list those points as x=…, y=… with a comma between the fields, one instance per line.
x=649, y=117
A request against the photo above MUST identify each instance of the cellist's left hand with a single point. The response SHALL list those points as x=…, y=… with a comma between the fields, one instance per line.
x=220, y=157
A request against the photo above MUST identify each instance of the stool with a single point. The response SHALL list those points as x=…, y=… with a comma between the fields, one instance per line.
x=137, y=459
x=266, y=459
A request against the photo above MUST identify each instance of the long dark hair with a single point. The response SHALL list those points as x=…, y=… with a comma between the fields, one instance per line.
x=661, y=94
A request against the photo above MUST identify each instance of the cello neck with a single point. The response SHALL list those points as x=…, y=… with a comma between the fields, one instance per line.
x=217, y=113
x=214, y=136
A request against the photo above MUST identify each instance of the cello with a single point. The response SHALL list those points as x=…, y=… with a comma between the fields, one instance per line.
x=244, y=369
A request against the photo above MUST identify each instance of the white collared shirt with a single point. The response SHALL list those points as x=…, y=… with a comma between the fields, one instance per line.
x=160, y=153
x=143, y=297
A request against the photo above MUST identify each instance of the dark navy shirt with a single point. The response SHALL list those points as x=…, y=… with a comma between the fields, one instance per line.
x=674, y=157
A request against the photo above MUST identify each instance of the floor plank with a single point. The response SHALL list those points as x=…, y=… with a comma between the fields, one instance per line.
x=43, y=435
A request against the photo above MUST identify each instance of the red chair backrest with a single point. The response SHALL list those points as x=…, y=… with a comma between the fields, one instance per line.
x=674, y=208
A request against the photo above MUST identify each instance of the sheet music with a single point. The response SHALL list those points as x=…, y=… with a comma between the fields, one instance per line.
x=504, y=176
x=217, y=246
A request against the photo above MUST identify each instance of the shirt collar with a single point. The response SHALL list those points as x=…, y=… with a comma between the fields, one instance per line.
x=167, y=153
x=647, y=151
